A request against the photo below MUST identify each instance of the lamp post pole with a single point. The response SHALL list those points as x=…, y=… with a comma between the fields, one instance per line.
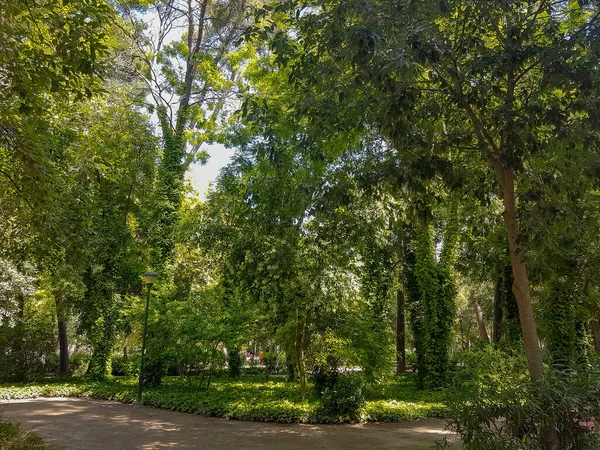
x=148, y=279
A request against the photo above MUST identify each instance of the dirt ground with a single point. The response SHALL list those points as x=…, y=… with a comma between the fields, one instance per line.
x=84, y=424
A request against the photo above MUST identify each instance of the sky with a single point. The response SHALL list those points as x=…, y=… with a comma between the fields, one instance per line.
x=201, y=176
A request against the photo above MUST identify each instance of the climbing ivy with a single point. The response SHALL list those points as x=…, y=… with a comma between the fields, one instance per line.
x=438, y=294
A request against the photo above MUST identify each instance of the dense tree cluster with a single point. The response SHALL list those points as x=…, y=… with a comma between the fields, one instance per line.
x=434, y=163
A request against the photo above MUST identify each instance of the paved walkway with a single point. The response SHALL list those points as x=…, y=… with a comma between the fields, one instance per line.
x=83, y=424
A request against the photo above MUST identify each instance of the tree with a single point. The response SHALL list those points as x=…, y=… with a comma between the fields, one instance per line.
x=499, y=67
x=190, y=81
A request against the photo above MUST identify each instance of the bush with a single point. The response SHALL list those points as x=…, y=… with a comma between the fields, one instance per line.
x=125, y=366
x=78, y=364
x=344, y=400
x=13, y=437
x=51, y=363
x=246, y=398
x=234, y=361
x=323, y=379
x=500, y=409
x=271, y=361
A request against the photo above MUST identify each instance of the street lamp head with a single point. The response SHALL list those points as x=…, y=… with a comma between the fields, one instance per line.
x=149, y=277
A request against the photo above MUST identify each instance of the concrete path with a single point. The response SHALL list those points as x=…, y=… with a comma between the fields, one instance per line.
x=83, y=424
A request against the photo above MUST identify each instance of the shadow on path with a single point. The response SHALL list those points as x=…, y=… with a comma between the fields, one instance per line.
x=84, y=424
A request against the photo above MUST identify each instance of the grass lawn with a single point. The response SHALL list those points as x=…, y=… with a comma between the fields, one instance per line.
x=245, y=398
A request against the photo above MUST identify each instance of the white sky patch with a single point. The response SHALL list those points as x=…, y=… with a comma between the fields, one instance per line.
x=201, y=176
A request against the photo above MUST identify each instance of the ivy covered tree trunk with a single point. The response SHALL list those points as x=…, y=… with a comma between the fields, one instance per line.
x=497, y=331
x=438, y=297
x=595, y=325
x=562, y=334
x=414, y=300
x=400, y=333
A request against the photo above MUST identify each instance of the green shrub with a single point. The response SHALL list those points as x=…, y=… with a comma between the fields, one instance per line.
x=51, y=364
x=498, y=408
x=126, y=366
x=234, y=361
x=344, y=400
x=271, y=361
x=78, y=364
x=323, y=379
x=250, y=398
x=13, y=437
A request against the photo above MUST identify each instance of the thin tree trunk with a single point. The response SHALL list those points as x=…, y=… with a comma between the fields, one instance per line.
x=299, y=356
x=63, y=345
x=521, y=278
x=596, y=333
x=498, y=312
x=19, y=348
x=483, y=335
x=400, y=333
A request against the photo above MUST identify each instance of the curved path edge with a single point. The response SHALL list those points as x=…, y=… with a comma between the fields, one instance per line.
x=84, y=423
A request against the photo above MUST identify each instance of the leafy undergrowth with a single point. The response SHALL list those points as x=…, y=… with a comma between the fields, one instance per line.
x=245, y=398
x=13, y=437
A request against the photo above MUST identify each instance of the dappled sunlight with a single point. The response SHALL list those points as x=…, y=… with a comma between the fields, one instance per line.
x=101, y=425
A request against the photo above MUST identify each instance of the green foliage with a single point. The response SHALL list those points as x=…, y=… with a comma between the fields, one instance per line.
x=234, y=361
x=437, y=300
x=128, y=366
x=496, y=407
x=344, y=399
x=272, y=362
x=26, y=342
x=254, y=398
x=13, y=437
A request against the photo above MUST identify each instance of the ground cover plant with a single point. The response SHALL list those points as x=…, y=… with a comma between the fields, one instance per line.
x=245, y=398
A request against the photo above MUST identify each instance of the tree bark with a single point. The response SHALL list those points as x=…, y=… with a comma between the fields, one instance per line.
x=498, y=312
x=63, y=368
x=521, y=278
x=483, y=335
x=63, y=345
x=400, y=333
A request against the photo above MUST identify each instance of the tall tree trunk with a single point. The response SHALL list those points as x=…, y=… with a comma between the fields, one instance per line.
x=63, y=368
x=498, y=311
x=521, y=278
x=400, y=333
x=19, y=347
x=483, y=335
x=63, y=345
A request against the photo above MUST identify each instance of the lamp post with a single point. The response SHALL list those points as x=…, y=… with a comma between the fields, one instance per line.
x=148, y=278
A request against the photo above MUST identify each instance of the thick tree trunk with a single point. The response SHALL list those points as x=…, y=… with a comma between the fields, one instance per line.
x=498, y=312
x=521, y=278
x=483, y=335
x=400, y=333
x=63, y=368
